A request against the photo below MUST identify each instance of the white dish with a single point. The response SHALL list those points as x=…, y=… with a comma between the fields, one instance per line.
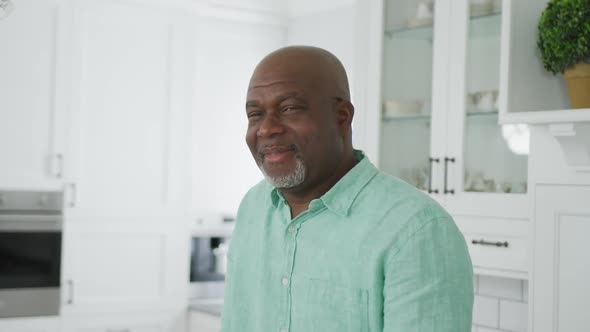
x=397, y=108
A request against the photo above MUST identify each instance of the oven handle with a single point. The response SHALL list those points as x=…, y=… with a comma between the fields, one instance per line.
x=70, y=299
x=30, y=223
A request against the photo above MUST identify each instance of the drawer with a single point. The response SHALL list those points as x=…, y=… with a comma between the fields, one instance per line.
x=497, y=246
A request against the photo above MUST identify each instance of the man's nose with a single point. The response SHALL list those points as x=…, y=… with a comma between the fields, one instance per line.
x=271, y=125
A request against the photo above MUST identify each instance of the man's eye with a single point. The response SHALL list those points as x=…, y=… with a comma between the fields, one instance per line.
x=254, y=115
x=290, y=108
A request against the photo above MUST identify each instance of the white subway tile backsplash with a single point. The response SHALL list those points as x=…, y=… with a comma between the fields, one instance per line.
x=485, y=311
x=500, y=304
x=500, y=287
x=513, y=316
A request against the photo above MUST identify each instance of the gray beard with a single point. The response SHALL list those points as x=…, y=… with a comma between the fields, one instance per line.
x=287, y=181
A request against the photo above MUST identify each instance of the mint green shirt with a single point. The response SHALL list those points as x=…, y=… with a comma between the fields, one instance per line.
x=371, y=254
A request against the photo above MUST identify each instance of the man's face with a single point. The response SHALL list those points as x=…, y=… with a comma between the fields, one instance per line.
x=292, y=128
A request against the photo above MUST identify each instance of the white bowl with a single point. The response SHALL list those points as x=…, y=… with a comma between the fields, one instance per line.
x=396, y=108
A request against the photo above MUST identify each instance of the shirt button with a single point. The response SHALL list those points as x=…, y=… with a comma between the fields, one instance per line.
x=291, y=229
x=285, y=281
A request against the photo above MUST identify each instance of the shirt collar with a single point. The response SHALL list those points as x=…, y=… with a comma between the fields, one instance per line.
x=340, y=197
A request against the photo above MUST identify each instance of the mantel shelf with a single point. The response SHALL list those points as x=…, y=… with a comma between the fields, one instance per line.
x=571, y=129
x=574, y=140
x=546, y=117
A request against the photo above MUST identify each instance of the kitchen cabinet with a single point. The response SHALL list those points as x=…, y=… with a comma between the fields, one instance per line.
x=559, y=291
x=32, y=104
x=223, y=169
x=428, y=81
x=130, y=110
x=123, y=266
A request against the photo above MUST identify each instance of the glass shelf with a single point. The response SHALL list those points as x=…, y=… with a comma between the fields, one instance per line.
x=488, y=25
x=410, y=117
x=482, y=114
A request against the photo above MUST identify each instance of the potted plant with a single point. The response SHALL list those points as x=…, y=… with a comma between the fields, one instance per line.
x=564, y=44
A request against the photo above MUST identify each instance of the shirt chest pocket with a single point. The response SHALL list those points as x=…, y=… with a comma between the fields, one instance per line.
x=334, y=308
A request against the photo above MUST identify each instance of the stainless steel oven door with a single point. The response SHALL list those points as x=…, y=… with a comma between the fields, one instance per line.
x=30, y=254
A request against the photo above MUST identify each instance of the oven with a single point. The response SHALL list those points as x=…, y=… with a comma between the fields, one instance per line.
x=30, y=253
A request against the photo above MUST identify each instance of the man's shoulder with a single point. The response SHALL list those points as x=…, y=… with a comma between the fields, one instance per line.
x=396, y=198
x=261, y=189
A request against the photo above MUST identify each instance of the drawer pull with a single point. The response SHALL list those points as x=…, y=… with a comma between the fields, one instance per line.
x=488, y=243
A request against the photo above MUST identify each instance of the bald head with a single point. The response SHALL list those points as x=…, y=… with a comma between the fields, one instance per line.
x=308, y=64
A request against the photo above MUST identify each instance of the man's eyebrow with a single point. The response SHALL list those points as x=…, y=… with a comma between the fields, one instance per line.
x=292, y=95
x=251, y=103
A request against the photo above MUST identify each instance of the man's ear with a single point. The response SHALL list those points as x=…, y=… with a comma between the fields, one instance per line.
x=344, y=115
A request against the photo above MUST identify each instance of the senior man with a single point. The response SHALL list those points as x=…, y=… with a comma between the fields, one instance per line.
x=327, y=242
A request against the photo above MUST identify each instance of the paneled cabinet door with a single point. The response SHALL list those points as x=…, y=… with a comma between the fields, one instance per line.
x=114, y=267
x=31, y=108
x=560, y=293
x=132, y=68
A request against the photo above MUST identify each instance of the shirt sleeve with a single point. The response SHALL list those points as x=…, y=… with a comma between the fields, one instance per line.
x=428, y=282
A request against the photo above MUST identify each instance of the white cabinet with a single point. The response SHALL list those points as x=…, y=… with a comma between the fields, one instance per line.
x=223, y=169
x=560, y=293
x=428, y=80
x=113, y=266
x=130, y=110
x=32, y=131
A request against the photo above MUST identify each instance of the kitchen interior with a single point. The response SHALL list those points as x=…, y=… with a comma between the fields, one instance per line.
x=123, y=156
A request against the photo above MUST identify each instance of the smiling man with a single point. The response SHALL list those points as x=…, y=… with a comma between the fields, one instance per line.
x=327, y=242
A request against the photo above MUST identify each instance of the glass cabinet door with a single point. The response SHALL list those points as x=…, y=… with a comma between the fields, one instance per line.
x=406, y=90
x=495, y=156
x=485, y=157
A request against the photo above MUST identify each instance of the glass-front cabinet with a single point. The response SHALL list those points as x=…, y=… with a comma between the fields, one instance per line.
x=432, y=70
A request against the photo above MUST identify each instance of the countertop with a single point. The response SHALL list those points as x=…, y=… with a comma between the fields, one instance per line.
x=211, y=306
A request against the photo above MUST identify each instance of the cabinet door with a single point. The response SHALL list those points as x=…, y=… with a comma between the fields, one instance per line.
x=131, y=110
x=220, y=101
x=560, y=292
x=485, y=167
x=112, y=266
x=408, y=119
x=30, y=113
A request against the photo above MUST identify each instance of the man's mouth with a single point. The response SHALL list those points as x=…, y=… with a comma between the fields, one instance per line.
x=276, y=154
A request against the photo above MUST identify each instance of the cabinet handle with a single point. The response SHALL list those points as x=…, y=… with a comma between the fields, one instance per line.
x=431, y=160
x=70, y=299
x=58, y=165
x=448, y=191
x=119, y=330
x=73, y=195
x=488, y=243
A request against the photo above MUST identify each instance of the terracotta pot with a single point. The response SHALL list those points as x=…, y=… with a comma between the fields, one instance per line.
x=578, y=85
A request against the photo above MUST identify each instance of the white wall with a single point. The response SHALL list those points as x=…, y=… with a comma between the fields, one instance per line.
x=222, y=167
